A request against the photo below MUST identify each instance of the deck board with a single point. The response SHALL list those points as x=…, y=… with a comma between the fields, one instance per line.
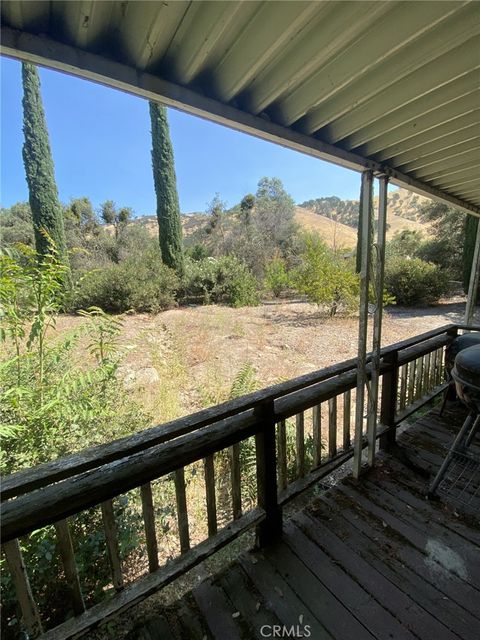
x=372, y=559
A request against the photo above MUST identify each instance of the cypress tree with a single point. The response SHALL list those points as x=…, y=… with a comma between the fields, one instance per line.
x=168, y=208
x=471, y=224
x=47, y=213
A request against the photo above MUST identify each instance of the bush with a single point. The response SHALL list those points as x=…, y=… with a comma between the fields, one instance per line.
x=50, y=405
x=142, y=285
x=413, y=281
x=325, y=277
x=276, y=276
x=223, y=280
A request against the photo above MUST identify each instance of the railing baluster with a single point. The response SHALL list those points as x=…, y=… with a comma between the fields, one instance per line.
x=427, y=376
x=419, y=378
x=436, y=370
x=28, y=607
x=411, y=382
x=267, y=491
x=65, y=546
x=234, y=454
x=403, y=387
x=440, y=366
x=317, y=434
x=182, y=513
x=111, y=538
x=210, y=495
x=300, y=444
x=332, y=427
x=149, y=522
x=435, y=357
x=347, y=400
x=282, y=455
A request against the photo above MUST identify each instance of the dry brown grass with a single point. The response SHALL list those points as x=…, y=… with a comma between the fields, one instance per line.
x=196, y=352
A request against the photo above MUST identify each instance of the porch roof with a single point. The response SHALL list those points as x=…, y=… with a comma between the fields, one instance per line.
x=388, y=86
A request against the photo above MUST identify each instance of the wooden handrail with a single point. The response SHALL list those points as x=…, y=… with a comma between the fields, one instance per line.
x=42, y=475
x=57, y=501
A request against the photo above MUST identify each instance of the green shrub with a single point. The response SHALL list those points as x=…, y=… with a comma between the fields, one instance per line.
x=325, y=277
x=276, y=276
x=142, y=285
x=51, y=404
x=223, y=280
x=413, y=281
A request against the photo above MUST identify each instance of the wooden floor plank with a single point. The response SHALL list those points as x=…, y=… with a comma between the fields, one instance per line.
x=412, y=494
x=424, y=534
x=190, y=620
x=402, y=565
x=359, y=602
x=338, y=620
x=218, y=612
x=280, y=597
x=155, y=627
x=243, y=594
x=400, y=604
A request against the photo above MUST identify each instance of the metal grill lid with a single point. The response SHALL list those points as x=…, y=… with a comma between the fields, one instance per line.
x=467, y=367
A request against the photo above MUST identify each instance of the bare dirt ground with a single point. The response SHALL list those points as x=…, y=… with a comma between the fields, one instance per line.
x=185, y=359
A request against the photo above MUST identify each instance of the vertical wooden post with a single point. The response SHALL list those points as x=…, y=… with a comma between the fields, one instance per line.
x=411, y=382
x=402, y=401
x=332, y=427
x=389, y=401
x=317, y=435
x=347, y=399
x=271, y=527
x=235, y=475
x=149, y=522
x=300, y=444
x=67, y=554
x=111, y=538
x=182, y=513
x=282, y=455
x=419, y=391
x=210, y=496
x=30, y=617
x=366, y=246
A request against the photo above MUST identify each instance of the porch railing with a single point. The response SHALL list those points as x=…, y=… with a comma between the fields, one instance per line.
x=298, y=432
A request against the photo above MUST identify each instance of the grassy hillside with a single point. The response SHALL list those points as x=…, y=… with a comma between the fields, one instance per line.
x=337, y=225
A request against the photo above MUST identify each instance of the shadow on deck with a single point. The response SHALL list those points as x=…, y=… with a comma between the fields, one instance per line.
x=372, y=559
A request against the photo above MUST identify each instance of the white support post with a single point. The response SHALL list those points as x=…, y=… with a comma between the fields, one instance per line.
x=366, y=234
x=474, y=280
x=372, y=414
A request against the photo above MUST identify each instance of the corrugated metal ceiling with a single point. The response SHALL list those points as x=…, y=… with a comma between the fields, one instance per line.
x=394, y=86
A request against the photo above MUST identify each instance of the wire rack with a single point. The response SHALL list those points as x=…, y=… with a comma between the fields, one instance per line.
x=461, y=483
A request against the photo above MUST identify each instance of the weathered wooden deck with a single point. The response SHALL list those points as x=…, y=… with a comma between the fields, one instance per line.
x=368, y=560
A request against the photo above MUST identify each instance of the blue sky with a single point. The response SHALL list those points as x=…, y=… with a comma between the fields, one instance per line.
x=101, y=145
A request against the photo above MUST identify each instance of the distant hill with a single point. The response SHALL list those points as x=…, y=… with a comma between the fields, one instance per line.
x=334, y=219
x=403, y=211
x=335, y=234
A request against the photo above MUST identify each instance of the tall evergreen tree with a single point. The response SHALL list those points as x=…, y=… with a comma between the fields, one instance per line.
x=168, y=208
x=47, y=213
